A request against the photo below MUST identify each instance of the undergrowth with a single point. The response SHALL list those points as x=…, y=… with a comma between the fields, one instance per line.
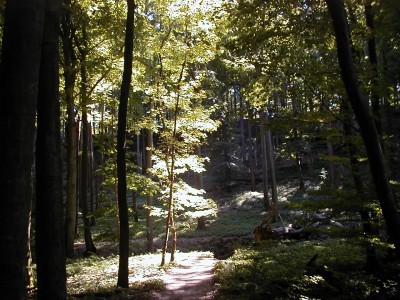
x=284, y=270
x=95, y=277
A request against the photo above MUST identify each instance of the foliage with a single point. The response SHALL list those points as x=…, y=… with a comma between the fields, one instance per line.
x=277, y=269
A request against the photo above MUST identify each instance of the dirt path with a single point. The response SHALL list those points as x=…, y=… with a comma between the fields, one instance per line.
x=190, y=279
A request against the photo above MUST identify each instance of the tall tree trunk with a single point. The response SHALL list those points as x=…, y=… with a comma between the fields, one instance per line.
x=123, y=268
x=49, y=238
x=90, y=247
x=367, y=126
x=19, y=77
x=375, y=100
x=72, y=139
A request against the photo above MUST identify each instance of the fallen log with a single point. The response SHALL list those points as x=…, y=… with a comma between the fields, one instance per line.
x=265, y=232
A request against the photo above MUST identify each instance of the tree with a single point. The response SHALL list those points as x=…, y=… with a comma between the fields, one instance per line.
x=123, y=270
x=367, y=127
x=84, y=178
x=19, y=78
x=70, y=72
x=49, y=238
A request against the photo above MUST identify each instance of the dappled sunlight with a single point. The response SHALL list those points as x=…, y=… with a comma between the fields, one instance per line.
x=190, y=274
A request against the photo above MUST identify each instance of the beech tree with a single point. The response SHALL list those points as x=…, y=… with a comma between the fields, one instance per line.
x=49, y=230
x=70, y=74
x=123, y=270
x=19, y=81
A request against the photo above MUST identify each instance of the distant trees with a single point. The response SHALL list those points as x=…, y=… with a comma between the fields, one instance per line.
x=285, y=64
x=368, y=128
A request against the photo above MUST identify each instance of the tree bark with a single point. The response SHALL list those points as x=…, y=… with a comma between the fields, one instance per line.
x=19, y=77
x=49, y=233
x=367, y=126
x=123, y=268
x=72, y=139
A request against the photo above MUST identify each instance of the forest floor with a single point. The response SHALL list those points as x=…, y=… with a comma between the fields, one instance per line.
x=191, y=277
x=203, y=267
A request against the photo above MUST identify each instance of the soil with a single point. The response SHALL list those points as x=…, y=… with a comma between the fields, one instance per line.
x=191, y=278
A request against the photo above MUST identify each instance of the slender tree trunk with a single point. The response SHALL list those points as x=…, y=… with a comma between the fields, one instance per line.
x=298, y=160
x=149, y=198
x=49, y=233
x=169, y=222
x=30, y=277
x=19, y=77
x=242, y=129
x=90, y=247
x=123, y=267
x=332, y=178
x=263, y=134
x=367, y=126
x=72, y=139
x=134, y=207
x=92, y=199
x=171, y=175
x=271, y=164
x=251, y=152
x=198, y=184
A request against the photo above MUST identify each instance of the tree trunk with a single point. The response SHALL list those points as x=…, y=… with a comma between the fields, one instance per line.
x=90, y=247
x=251, y=152
x=375, y=101
x=264, y=160
x=123, y=267
x=49, y=233
x=149, y=198
x=332, y=177
x=367, y=126
x=19, y=77
x=271, y=164
x=92, y=199
x=198, y=184
x=72, y=142
x=298, y=160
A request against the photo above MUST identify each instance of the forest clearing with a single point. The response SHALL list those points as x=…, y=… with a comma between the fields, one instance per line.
x=200, y=149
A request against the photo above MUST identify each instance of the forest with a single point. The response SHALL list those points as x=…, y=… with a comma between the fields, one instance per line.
x=200, y=149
